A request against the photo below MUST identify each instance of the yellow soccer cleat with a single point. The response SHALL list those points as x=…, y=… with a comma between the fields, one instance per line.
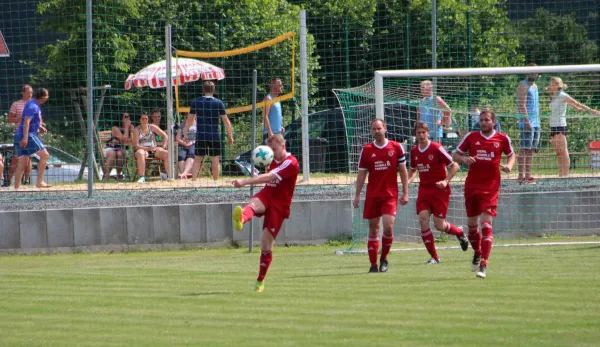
x=259, y=286
x=237, y=218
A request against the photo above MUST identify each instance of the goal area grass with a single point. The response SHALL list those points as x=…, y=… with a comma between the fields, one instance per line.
x=533, y=296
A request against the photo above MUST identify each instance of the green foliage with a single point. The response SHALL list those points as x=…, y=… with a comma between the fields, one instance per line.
x=7, y=130
x=552, y=39
x=476, y=33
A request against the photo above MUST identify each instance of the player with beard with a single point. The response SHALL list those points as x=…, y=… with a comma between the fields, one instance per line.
x=482, y=152
x=381, y=160
x=430, y=159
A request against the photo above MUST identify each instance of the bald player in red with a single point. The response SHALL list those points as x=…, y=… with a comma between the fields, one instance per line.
x=381, y=160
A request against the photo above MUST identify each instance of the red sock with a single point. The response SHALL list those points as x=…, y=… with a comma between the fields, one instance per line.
x=373, y=248
x=475, y=239
x=265, y=261
x=247, y=213
x=453, y=230
x=486, y=243
x=429, y=242
x=386, y=245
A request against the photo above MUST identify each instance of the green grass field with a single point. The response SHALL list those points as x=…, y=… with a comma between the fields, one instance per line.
x=533, y=296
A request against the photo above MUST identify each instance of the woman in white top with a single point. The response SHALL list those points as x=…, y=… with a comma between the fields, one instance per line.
x=558, y=122
x=145, y=147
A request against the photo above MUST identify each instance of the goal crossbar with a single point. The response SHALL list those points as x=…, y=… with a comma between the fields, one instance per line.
x=381, y=74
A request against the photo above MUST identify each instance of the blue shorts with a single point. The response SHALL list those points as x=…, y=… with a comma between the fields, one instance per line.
x=530, y=139
x=186, y=153
x=34, y=145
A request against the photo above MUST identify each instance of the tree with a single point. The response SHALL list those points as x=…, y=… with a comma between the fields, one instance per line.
x=552, y=39
x=128, y=35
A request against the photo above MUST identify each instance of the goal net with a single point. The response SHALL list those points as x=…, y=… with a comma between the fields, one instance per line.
x=564, y=201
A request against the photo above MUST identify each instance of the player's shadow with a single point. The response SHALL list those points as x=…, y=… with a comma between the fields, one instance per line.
x=207, y=293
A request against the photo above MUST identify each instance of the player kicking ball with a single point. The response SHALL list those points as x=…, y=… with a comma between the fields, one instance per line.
x=482, y=151
x=430, y=159
x=273, y=201
x=381, y=160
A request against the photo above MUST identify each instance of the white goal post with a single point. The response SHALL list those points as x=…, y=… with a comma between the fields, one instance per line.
x=559, y=204
x=380, y=75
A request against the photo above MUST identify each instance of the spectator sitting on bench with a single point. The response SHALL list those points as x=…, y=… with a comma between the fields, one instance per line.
x=187, y=149
x=155, y=119
x=145, y=146
x=114, y=152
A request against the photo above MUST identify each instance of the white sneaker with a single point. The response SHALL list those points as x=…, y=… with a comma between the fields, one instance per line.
x=164, y=176
x=481, y=272
x=432, y=261
x=142, y=180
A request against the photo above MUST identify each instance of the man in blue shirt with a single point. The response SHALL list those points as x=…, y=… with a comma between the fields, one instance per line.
x=529, y=124
x=272, y=115
x=26, y=141
x=208, y=111
x=434, y=111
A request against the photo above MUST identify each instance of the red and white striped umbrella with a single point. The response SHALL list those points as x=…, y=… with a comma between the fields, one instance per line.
x=182, y=70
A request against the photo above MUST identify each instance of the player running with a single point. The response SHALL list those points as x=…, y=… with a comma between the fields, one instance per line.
x=482, y=152
x=431, y=159
x=273, y=201
x=381, y=159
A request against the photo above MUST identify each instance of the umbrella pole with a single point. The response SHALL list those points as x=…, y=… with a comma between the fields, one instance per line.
x=170, y=145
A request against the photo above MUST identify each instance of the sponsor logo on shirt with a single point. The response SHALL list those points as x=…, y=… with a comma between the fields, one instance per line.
x=381, y=165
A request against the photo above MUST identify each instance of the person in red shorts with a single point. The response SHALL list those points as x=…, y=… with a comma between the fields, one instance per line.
x=273, y=201
x=482, y=151
x=381, y=160
x=430, y=159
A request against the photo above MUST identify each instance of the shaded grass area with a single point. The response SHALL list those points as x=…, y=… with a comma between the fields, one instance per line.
x=535, y=296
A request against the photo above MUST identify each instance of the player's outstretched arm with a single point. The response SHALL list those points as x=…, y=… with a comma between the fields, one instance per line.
x=360, y=182
x=262, y=178
x=580, y=107
x=404, y=180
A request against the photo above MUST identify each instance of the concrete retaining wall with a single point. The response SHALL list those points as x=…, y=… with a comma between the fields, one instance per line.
x=572, y=213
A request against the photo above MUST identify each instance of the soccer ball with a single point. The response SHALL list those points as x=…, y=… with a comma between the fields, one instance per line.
x=262, y=156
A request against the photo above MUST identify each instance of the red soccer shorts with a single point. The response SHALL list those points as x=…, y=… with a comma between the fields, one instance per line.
x=275, y=213
x=481, y=201
x=376, y=207
x=434, y=200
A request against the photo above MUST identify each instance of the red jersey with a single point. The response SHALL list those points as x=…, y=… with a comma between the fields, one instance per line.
x=382, y=165
x=431, y=163
x=282, y=188
x=484, y=174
